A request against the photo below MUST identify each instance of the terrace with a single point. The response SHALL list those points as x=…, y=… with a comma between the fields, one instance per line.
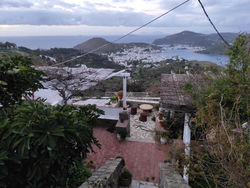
x=142, y=147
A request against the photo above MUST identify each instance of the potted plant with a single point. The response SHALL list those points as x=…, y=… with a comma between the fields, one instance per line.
x=163, y=123
x=120, y=94
x=163, y=138
x=125, y=178
x=160, y=116
x=113, y=99
x=91, y=165
x=121, y=133
x=128, y=103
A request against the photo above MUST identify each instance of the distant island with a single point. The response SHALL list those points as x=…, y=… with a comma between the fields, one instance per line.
x=95, y=43
x=211, y=42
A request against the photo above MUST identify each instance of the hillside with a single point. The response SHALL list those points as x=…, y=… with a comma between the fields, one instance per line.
x=149, y=79
x=95, y=43
x=57, y=55
x=197, y=39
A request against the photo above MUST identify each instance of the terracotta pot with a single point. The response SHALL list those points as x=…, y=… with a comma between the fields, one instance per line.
x=91, y=166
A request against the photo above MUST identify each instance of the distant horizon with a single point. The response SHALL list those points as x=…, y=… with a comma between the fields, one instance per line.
x=69, y=41
x=47, y=42
x=108, y=35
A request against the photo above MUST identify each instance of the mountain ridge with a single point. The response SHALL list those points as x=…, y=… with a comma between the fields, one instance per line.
x=195, y=39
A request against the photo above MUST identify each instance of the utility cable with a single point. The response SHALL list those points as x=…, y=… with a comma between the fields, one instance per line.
x=129, y=33
x=213, y=24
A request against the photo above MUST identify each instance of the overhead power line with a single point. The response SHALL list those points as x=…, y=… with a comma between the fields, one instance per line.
x=129, y=33
x=213, y=24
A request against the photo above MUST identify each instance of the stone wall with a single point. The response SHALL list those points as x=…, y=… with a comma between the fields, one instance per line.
x=129, y=94
x=170, y=178
x=107, y=176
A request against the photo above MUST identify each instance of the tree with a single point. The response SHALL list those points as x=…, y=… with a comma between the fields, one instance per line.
x=68, y=81
x=40, y=144
x=17, y=79
x=223, y=116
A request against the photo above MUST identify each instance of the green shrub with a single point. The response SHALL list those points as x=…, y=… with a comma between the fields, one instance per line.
x=114, y=99
x=126, y=174
x=174, y=126
x=222, y=106
x=39, y=143
x=77, y=174
x=17, y=79
x=128, y=103
x=157, y=107
x=153, y=118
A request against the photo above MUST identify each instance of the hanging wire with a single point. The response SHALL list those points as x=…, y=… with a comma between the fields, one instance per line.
x=213, y=24
x=129, y=33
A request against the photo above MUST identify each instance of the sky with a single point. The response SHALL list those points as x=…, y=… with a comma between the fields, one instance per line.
x=117, y=17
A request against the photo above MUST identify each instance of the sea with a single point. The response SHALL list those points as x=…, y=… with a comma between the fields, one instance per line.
x=190, y=55
x=47, y=42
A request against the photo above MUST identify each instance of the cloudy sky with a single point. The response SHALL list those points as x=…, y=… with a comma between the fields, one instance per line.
x=116, y=17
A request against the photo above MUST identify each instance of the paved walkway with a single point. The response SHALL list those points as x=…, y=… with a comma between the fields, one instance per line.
x=141, y=158
x=142, y=131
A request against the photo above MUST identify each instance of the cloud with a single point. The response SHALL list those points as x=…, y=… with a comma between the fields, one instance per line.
x=49, y=17
x=15, y=4
x=229, y=14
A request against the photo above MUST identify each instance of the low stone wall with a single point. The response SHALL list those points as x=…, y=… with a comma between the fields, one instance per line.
x=138, y=102
x=170, y=178
x=129, y=94
x=107, y=176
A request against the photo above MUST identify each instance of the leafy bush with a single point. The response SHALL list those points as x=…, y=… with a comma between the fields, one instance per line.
x=174, y=126
x=114, y=99
x=17, y=78
x=40, y=143
x=126, y=174
x=157, y=107
x=78, y=173
x=222, y=104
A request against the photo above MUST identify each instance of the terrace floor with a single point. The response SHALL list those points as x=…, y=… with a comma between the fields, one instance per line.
x=141, y=158
x=142, y=131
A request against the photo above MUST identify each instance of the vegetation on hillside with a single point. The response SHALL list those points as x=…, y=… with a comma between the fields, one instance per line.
x=56, y=55
x=222, y=121
x=211, y=42
x=148, y=79
x=108, y=47
x=195, y=39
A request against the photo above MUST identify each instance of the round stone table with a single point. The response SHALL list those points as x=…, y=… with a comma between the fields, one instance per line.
x=146, y=107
